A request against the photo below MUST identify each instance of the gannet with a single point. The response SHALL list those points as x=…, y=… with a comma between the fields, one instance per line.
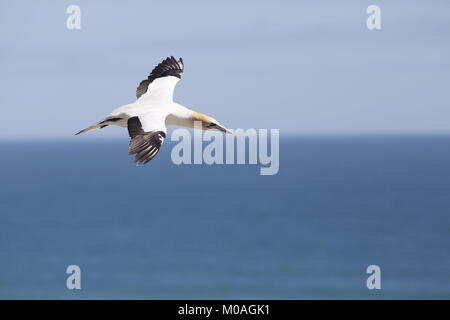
x=147, y=117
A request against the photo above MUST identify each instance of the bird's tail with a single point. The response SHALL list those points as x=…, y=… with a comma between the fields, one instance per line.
x=95, y=126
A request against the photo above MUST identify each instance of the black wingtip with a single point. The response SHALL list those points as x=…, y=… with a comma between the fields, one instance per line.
x=168, y=67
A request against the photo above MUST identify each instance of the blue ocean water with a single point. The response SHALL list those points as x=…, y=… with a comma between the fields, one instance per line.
x=336, y=206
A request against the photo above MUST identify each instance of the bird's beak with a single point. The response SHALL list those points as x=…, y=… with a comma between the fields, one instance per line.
x=222, y=129
x=218, y=127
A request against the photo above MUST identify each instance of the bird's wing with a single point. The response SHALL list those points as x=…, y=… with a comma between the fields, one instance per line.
x=162, y=80
x=147, y=133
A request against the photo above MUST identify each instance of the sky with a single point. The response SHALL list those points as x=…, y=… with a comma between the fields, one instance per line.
x=304, y=67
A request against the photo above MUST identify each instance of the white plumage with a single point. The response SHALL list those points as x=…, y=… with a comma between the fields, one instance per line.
x=147, y=117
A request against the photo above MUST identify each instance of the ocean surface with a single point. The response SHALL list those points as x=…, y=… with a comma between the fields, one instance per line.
x=163, y=231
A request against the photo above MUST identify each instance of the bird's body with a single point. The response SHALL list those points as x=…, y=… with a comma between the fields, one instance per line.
x=147, y=118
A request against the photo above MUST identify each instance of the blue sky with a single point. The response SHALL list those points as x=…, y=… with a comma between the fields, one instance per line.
x=305, y=67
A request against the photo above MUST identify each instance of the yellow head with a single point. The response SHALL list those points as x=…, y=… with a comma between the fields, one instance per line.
x=209, y=123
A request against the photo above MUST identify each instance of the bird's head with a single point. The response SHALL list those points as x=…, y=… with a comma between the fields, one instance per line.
x=209, y=123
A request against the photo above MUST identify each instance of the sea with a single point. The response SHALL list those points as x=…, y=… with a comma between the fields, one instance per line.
x=163, y=231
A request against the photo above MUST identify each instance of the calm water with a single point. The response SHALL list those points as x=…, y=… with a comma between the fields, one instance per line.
x=165, y=231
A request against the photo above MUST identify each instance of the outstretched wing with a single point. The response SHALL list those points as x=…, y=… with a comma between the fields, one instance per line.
x=162, y=80
x=146, y=136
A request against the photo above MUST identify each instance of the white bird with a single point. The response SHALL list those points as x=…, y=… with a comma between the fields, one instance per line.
x=147, y=117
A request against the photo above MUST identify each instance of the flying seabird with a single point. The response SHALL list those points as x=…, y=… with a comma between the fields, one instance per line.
x=147, y=117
